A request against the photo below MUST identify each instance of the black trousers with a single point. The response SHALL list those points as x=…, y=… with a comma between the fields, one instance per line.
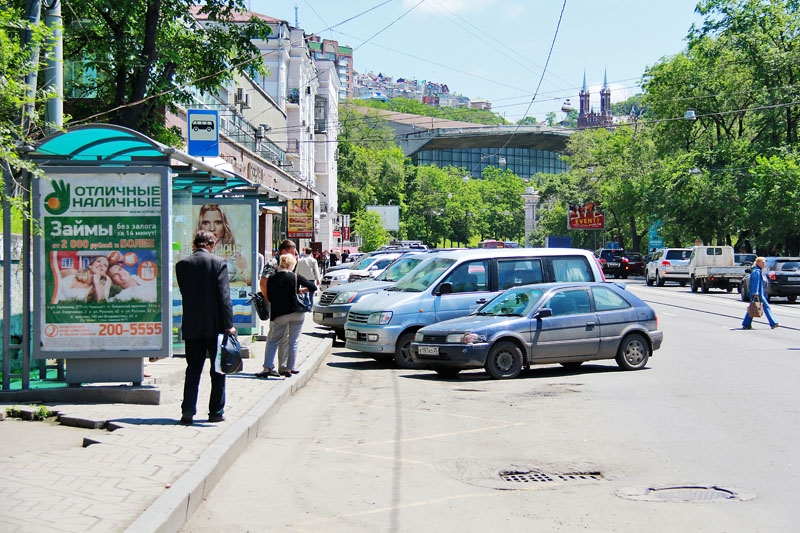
x=197, y=351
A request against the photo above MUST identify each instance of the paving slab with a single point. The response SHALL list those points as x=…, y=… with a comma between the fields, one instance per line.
x=140, y=470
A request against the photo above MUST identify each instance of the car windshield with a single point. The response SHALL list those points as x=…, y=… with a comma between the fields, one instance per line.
x=364, y=262
x=423, y=276
x=742, y=259
x=400, y=268
x=514, y=302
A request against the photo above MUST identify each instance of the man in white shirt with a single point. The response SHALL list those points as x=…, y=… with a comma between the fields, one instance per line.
x=308, y=268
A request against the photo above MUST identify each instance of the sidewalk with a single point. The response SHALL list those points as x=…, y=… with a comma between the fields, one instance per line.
x=144, y=472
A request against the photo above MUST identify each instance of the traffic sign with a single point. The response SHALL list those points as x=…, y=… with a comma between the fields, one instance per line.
x=203, y=132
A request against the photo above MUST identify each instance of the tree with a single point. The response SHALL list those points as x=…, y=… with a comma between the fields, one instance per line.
x=369, y=226
x=149, y=54
x=16, y=62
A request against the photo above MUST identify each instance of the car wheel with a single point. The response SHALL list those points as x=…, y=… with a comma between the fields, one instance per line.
x=648, y=280
x=633, y=352
x=744, y=296
x=446, y=371
x=682, y=283
x=659, y=281
x=340, y=334
x=572, y=364
x=504, y=361
x=695, y=285
x=704, y=286
x=402, y=354
x=792, y=299
x=729, y=288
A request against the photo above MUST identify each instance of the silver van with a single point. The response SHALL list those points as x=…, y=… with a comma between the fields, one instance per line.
x=453, y=284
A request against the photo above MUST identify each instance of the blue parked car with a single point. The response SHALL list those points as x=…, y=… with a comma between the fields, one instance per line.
x=565, y=323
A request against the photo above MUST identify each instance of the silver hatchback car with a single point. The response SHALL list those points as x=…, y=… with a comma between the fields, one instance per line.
x=565, y=323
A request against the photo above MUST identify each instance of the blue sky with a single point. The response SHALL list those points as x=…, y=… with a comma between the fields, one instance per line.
x=497, y=49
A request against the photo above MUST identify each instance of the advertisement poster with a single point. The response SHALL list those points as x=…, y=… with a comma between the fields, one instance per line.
x=586, y=216
x=102, y=243
x=233, y=222
x=301, y=219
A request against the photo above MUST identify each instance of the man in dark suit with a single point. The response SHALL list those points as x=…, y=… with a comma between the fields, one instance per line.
x=207, y=312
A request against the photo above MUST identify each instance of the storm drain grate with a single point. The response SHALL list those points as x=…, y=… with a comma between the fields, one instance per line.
x=542, y=477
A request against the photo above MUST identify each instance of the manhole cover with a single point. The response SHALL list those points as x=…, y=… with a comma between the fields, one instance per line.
x=684, y=493
x=692, y=494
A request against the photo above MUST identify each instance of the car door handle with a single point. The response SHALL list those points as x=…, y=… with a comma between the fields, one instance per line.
x=590, y=325
x=481, y=301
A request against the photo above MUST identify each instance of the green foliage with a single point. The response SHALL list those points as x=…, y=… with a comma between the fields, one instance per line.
x=147, y=55
x=463, y=114
x=369, y=226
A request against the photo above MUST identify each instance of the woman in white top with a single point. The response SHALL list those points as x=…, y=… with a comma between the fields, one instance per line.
x=87, y=284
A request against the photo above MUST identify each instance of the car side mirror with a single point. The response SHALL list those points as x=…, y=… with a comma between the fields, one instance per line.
x=544, y=312
x=446, y=288
x=747, y=270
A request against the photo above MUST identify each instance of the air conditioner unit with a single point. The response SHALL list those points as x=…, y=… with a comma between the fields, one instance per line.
x=240, y=96
x=260, y=131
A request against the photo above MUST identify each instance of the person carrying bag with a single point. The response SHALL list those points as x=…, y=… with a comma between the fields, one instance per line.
x=757, y=291
x=285, y=315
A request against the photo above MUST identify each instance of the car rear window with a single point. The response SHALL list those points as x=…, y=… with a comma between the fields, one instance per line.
x=787, y=265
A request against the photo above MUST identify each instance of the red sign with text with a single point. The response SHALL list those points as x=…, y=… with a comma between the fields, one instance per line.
x=586, y=216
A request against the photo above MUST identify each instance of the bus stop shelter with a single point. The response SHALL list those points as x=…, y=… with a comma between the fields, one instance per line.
x=112, y=193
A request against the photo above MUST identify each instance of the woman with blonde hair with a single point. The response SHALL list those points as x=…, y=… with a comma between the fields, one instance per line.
x=282, y=289
x=214, y=219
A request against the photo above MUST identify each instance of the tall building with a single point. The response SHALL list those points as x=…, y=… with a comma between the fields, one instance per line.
x=342, y=57
x=587, y=117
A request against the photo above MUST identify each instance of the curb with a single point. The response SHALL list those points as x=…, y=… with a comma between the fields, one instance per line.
x=170, y=510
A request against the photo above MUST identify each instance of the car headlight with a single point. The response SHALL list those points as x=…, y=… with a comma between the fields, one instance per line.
x=418, y=337
x=345, y=297
x=465, y=338
x=381, y=318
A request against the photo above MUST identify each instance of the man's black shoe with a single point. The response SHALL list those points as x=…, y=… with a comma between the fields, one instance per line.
x=216, y=418
x=186, y=420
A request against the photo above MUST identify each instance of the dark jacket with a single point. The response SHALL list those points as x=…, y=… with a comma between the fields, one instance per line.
x=281, y=292
x=203, y=282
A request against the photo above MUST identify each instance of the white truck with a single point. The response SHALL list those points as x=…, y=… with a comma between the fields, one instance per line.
x=714, y=267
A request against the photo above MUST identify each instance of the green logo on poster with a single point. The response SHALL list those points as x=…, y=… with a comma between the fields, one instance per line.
x=57, y=202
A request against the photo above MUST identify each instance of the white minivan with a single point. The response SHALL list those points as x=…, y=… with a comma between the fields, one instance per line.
x=453, y=284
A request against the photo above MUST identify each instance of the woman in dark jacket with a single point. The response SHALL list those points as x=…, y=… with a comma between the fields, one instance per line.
x=282, y=290
x=757, y=291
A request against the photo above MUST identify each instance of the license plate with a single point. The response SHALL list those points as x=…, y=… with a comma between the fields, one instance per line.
x=317, y=317
x=612, y=265
x=428, y=350
x=794, y=278
x=680, y=268
x=350, y=334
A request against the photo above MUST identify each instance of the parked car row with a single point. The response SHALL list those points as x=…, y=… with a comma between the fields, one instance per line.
x=520, y=307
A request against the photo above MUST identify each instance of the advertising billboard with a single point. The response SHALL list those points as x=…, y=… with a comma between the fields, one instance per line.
x=301, y=219
x=586, y=216
x=103, y=263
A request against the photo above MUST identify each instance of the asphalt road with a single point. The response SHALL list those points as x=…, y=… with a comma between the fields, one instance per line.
x=703, y=439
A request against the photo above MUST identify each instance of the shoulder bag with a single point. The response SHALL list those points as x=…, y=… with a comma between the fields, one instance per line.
x=302, y=302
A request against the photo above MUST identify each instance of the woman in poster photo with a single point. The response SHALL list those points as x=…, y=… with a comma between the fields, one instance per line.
x=89, y=284
x=214, y=219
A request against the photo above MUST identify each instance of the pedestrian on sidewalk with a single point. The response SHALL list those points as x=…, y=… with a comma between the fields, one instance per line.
x=308, y=268
x=286, y=246
x=207, y=312
x=282, y=289
x=757, y=291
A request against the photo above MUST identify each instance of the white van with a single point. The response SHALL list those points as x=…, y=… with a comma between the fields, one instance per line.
x=453, y=284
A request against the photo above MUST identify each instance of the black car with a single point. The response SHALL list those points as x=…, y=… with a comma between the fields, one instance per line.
x=635, y=264
x=782, y=276
x=614, y=262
